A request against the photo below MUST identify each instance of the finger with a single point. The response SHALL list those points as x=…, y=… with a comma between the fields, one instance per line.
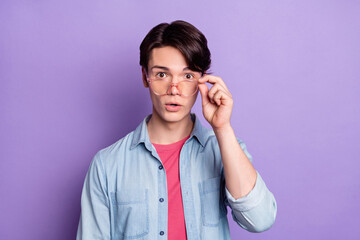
x=212, y=92
x=216, y=88
x=204, y=94
x=221, y=97
x=217, y=97
x=213, y=79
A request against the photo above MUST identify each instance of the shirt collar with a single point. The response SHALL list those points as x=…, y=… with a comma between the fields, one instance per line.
x=141, y=134
x=199, y=131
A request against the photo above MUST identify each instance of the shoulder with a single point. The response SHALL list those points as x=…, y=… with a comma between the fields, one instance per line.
x=111, y=156
x=210, y=139
x=211, y=142
x=118, y=147
x=123, y=146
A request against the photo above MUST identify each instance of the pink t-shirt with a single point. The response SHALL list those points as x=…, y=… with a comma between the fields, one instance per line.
x=169, y=155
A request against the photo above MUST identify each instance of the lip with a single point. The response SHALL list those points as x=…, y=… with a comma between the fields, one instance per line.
x=172, y=108
x=175, y=103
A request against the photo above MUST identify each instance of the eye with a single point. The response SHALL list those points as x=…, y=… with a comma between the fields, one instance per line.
x=161, y=74
x=189, y=76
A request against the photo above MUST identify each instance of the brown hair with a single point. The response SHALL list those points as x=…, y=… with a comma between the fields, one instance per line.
x=182, y=36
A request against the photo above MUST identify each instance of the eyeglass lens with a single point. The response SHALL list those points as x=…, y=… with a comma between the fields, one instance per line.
x=161, y=83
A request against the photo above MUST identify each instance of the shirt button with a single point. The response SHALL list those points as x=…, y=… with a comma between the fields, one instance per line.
x=161, y=233
x=160, y=167
x=161, y=199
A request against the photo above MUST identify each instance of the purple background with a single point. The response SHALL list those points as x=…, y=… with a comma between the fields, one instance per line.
x=71, y=85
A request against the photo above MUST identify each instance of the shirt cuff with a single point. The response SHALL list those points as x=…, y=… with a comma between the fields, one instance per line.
x=251, y=200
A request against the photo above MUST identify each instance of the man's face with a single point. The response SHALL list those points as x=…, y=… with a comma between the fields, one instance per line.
x=169, y=60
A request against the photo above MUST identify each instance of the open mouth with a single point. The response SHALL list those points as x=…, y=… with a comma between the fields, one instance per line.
x=173, y=107
x=173, y=104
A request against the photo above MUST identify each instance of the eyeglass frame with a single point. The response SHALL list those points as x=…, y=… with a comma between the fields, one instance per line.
x=148, y=79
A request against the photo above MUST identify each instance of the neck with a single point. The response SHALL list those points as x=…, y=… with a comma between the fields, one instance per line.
x=163, y=132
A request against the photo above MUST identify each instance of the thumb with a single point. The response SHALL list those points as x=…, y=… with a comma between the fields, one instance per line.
x=204, y=93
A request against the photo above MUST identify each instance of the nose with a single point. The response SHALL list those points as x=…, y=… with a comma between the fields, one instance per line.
x=174, y=89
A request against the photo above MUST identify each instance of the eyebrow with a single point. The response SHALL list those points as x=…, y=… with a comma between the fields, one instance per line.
x=167, y=69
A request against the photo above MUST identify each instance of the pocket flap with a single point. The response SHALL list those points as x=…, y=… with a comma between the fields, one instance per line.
x=129, y=196
x=210, y=185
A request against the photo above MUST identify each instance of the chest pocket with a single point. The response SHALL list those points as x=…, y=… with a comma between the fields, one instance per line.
x=130, y=213
x=212, y=208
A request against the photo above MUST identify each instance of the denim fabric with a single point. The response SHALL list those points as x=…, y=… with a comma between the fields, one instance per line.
x=125, y=181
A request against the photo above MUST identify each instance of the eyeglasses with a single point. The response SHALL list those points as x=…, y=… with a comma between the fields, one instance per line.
x=161, y=83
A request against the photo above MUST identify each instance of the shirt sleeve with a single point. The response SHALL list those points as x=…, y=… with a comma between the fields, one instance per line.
x=255, y=212
x=94, y=219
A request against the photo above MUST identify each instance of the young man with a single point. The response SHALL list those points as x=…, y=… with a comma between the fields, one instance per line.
x=172, y=178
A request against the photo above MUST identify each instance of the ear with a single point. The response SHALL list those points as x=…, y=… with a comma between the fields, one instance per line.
x=145, y=82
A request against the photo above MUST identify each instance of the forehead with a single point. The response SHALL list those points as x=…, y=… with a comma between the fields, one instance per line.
x=168, y=57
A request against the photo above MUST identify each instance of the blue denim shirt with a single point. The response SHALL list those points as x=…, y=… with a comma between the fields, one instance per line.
x=125, y=182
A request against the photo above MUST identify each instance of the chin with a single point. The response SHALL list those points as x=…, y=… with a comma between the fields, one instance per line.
x=173, y=116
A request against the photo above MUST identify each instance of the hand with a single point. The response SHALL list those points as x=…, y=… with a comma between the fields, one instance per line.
x=217, y=103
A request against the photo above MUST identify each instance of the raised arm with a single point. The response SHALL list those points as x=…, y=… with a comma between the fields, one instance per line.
x=253, y=205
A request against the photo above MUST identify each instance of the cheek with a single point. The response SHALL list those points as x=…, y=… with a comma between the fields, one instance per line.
x=192, y=101
x=193, y=98
x=155, y=99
